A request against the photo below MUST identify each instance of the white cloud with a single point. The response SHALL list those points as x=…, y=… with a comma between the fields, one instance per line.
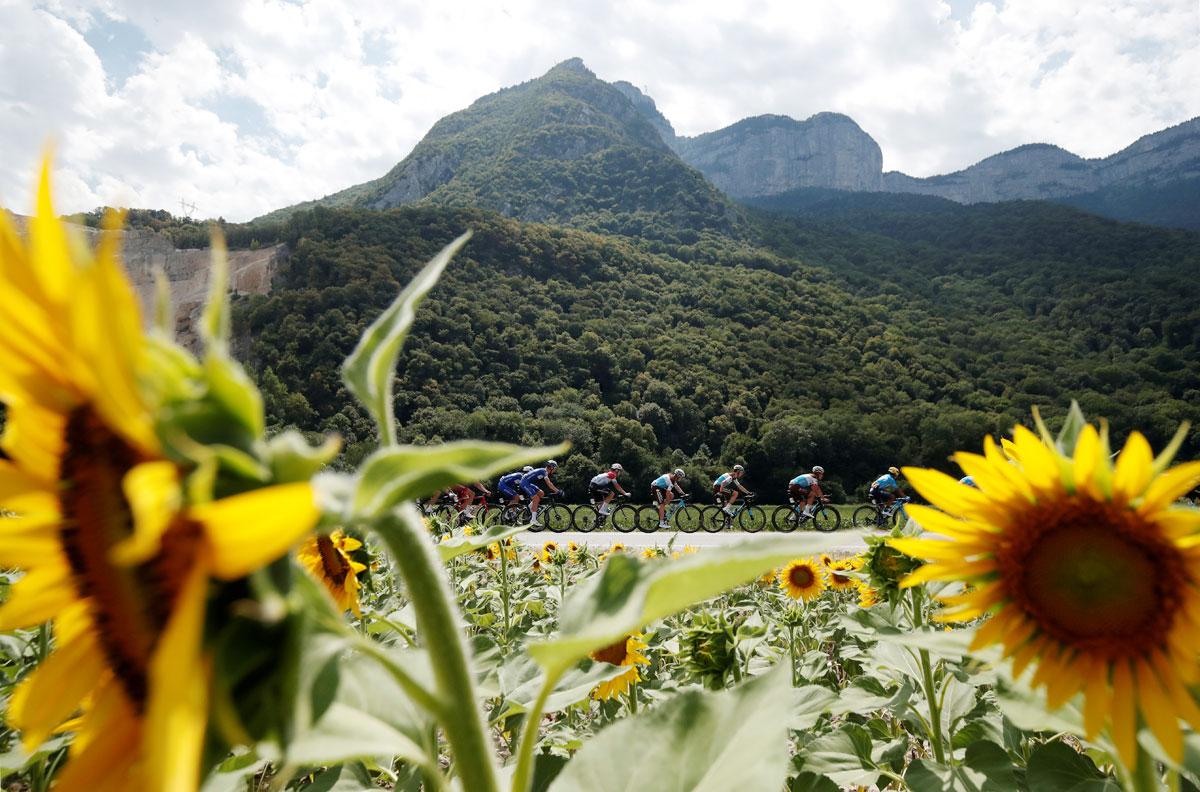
x=242, y=106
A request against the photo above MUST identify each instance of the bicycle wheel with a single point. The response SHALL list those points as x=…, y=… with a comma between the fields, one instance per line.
x=714, y=519
x=557, y=518
x=752, y=519
x=585, y=519
x=866, y=516
x=687, y=519
x=785, y=519
x=647, y=515
x=826, y=518
x=624, y=518
x=525, y=517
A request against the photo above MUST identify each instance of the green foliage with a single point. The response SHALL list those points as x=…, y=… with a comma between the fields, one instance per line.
x=856, y=337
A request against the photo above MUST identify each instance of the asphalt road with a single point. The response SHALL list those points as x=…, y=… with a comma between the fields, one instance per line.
x=700, y=539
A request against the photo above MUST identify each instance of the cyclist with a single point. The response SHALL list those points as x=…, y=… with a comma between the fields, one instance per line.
x=604, y=486
x=969, y=481
x=662, y=492
x=806, y=489
x=509, y=485
x=726, y=488
x=885, y=489
x=532, y=484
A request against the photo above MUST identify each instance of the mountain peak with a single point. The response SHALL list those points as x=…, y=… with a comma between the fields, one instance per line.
x=571, y=66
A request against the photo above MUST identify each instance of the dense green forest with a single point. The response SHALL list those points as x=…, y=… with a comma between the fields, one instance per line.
x=854, y=336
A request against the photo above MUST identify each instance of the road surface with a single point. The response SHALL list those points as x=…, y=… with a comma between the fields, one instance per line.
x=602, y=540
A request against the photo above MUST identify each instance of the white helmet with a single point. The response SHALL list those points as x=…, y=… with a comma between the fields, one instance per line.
x=818, y=469
x=738, y=469
x=527, y=469
x=615, y=466
x=679, y=473
x=551, y=464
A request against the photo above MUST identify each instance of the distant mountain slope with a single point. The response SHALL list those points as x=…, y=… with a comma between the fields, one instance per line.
x=565, y=148
x=1154, y=180
x=874, y=329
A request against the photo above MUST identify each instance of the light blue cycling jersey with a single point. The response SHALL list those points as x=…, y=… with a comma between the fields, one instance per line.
x=723, y=480
x=804, y=480
x=887, y=482
x=662, y=482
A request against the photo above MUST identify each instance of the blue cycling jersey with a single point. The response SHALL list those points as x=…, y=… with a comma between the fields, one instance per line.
x=804, y=480
x=533, y=478
x=723, y=480
x=509, y=481
x=662, y=482
x=887, y=482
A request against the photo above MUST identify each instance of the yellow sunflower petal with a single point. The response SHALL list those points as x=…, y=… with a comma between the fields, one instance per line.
x=1133, y=469
x=175, y=719
x=1002, y=482
x=938, y=549
x=946, y=493
x=248, y=531
x=1124, y=715
x=936, y=521
x=152, y=491
x=349, y=544
x=46, y=697
x=38, y=597
x=1159, y=713
x=1170, y=487
x=103, y=752
x=1097, y=698
x=49, y=246
x=23, y=493
x=1086, y=459
x=1040, y=464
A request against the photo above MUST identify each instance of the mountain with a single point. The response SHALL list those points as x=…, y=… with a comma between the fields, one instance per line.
x=1155, y=180
x=564, y=148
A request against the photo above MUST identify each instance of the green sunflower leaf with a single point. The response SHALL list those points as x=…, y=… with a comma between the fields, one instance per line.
x=697, y=741
x=395, y=474
x=453, y=548
x=369, y=371
x=628, y=594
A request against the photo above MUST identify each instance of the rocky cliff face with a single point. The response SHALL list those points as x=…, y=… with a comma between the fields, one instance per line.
x=1047, y=172
x=187, y=271
x=771, y=154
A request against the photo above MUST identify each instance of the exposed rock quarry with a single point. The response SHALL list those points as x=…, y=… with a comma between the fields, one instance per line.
x=187, y=271
x=771, y=154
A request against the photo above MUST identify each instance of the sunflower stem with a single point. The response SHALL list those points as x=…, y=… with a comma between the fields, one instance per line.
x=523, y=775
x=442, y=630
x=504, y=596
x=1143, y=776
x=931, y=692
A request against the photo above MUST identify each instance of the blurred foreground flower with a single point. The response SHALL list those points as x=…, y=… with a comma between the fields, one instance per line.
x=1085, y=569
x=116, y=550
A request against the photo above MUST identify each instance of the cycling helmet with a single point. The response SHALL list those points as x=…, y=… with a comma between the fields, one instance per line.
x=527, y=469
x=615, y=466
x=895, y=471
x=679, y=473
x=738, y=469
x=818, y=469
x=551, y=464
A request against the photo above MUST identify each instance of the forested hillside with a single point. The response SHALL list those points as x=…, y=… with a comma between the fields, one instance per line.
x=855, y=337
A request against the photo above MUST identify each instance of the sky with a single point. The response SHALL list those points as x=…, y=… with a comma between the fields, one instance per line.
x=238, y=107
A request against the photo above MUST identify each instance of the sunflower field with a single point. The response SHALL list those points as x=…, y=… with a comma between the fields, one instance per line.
x=189, y=604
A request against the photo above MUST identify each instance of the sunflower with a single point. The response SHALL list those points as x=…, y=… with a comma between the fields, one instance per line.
x=626, y=652
x=842, y=582
x=826, y=560
x=867, y=596
x=327, y=559
x=492, y=551
x=548, y=551
x=1081, y=565
x=110, y=552
x=802, y=579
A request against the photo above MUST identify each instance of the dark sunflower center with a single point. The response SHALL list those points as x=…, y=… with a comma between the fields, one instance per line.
x=129, y=605
x=335, y=566
x=1096, y=577
x=614, y=654
x=801, y=577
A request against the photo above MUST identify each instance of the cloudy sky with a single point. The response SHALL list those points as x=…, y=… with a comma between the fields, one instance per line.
x=243, y=106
